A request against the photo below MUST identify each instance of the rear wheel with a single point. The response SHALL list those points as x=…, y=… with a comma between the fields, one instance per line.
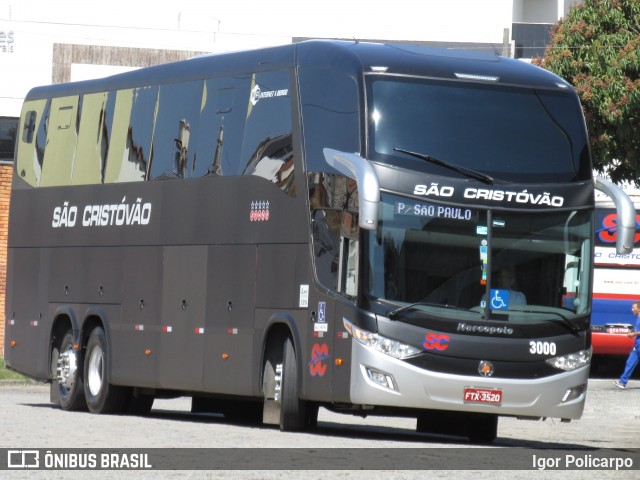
x=101, y=397
x=66, y=369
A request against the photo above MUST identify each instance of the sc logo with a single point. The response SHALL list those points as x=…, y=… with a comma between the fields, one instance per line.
x=609, y=231
x=433, y=341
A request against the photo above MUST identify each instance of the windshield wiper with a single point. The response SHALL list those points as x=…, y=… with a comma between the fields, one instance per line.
x=394, y=313
x=564, y=321
x=457, y=168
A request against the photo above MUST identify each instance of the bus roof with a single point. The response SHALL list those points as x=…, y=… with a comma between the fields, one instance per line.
x=353, y=57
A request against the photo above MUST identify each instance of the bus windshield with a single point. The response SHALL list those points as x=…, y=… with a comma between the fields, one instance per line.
x=465, y=125
x=528, y=265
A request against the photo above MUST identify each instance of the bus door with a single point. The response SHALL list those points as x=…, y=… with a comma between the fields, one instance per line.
x=335, y=239
x=318, y=356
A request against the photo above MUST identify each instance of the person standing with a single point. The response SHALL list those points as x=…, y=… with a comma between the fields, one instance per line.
x=634, y=355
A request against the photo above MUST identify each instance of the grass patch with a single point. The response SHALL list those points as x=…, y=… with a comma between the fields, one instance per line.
x=6, y=374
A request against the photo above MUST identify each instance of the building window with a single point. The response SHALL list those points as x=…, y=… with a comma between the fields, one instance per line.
x=531, y=39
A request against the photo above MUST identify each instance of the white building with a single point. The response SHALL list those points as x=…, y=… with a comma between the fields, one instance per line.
x=43, y=41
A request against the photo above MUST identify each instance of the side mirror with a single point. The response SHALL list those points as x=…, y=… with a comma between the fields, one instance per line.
x=626, y=227
x=354, y=166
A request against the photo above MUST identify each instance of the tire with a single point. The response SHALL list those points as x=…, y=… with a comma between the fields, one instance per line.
x=66, y=368
x=293, y=414
x=482, y=428
x=137, y=403
x=101, y=397
x=282, y=405
x=477, y=427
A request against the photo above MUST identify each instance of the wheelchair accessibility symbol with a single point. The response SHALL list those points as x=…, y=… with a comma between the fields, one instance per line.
x=499, y=299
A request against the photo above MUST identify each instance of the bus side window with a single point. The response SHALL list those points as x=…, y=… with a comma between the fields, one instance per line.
x=267, y=150
x=62, y=137
x=348, y=275
x=93, y=140
x=331, y=114
x=326, y=246
x=29, y=126
x=30, y=150
x=222, y=120
x=132, y=131
x=333, y=200
x=176, y=130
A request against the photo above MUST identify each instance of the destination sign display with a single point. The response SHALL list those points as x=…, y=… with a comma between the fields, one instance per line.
x=421, y=209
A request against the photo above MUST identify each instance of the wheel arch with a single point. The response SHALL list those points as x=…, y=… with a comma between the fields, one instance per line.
x=278, y=328
x=64, y=319
x=95, y=317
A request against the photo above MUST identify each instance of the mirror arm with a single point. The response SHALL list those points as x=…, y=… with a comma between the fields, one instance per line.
x=354, y=166
x=626, y=223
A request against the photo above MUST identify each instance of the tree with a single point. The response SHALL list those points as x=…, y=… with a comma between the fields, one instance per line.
x=596, y=48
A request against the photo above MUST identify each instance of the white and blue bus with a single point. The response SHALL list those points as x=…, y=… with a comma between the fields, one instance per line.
x=316, y=224
x=616, y=282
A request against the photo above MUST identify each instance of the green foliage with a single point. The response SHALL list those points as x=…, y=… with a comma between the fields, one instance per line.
x=6, y=374
x=596, y=47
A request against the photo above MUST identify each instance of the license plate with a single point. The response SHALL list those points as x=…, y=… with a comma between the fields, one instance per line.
x=492, y=396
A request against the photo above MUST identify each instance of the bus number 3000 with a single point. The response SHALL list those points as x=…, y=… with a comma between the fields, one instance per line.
x=542, y=348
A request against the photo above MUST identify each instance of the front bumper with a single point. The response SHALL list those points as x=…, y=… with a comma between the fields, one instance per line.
x=416, y=388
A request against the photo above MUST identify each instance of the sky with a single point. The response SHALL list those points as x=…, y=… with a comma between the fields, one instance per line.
x=397, y=19
x=221, y=25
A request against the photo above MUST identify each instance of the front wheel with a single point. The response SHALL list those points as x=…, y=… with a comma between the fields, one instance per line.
x=101, y=397
x=282, y=403
x=482, y=428
x=477, y=427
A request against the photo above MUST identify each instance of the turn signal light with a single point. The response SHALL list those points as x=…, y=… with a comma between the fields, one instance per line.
x=147, y=352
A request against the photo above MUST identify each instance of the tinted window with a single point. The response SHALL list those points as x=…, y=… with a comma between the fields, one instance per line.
x=8, y=131
x=224, y=110
x=62, y=136
x=330, y=114
x=326, y=246
x=131, y=135
x=93, y=142
x=267, y=150
x=41, y=142
x=176, y=129
x=33, y=131
x=513, y=134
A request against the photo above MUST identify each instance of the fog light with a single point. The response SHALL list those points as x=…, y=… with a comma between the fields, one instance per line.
x=383, y=379
x=573, y=393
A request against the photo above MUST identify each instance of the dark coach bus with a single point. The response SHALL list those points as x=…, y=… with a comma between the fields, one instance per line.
x=317, y=224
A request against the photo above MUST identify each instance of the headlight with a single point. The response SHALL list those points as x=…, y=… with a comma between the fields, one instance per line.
x=571, y=361
x=382, y=344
